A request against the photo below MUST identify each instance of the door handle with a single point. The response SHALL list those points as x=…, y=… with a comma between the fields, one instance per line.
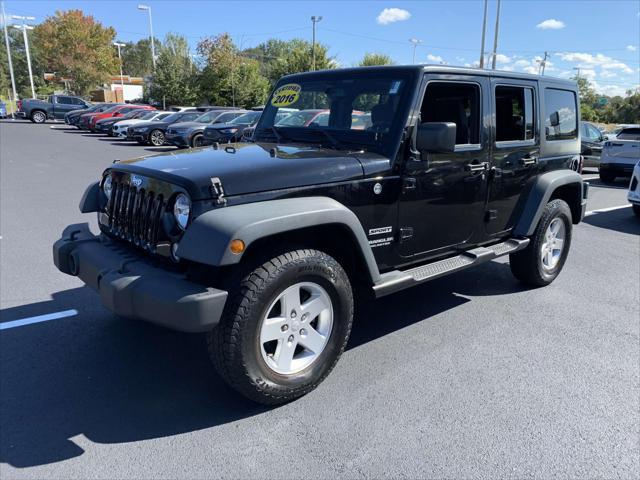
x=528, y=160
x=476, y=166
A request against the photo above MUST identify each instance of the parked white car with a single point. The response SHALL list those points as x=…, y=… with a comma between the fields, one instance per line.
x=619, y=156
x=634, y=190
x=120, y=128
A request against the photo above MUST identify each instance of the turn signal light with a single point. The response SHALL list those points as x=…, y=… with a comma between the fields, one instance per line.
x=236, y=246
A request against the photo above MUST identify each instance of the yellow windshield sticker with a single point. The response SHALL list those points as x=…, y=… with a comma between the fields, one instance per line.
x=286, y=95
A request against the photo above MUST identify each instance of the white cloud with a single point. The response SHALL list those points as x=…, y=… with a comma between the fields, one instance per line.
x=600, y=60
x=522, y=63
x=391, y=15
x=551, y=24
x=507, y=68
x=608, y=74
x=500, y=58
x=531, y=69
x=632, y=48
x=435, y=58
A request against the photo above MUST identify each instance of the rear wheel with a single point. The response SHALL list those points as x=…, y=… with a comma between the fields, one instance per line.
x=607, y=177
x=541, y=262
x=196, y=141
x=284, y=327
x=156, y=138
x=38, y=116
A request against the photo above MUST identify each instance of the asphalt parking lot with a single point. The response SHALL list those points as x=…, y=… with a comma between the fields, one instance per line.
x=469, y=376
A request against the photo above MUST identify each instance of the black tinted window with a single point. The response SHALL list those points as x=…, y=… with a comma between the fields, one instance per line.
x=514, y=114
x=629, y=134
x=561, y=120
x=65, y=100
x=454, y=102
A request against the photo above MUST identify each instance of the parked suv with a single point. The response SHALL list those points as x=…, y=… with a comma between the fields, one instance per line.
x=260, y=245
x=591, y=144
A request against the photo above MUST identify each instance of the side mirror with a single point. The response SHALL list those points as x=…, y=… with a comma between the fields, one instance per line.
x=554, y=118
x=437, y=137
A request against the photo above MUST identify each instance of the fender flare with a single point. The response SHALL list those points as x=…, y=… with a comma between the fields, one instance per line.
x=207, y=238
x=539, y=196
x=90, y=198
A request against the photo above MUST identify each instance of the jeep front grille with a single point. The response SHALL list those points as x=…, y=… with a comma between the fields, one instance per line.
x=135, y=214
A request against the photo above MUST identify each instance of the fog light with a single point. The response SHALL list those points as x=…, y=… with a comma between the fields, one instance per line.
x=236, y=246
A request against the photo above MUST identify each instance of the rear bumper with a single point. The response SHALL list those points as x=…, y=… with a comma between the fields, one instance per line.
x=129, y=285
x=21, y=114
x=621, y=169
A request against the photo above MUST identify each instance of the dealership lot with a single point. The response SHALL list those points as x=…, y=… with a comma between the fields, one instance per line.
x=471, y=375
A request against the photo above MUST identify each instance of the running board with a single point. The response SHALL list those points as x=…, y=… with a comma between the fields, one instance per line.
x=396, y=280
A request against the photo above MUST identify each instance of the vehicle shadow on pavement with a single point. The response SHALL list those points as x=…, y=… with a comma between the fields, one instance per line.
x=113, y=380
x=622, y=220
x=620, y=183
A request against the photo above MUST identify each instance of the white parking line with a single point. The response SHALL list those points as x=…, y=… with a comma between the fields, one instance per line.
x=40, y=318
x=609, y=209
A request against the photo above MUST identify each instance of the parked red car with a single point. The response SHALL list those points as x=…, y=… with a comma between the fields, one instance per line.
x=88, y=121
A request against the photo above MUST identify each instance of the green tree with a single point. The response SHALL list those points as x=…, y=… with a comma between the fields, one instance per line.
x=20, y=69
x=229, y=78
x=175, y=78
x=373, y=59
x=279, y=57
x=136, y=57
x=77, y=46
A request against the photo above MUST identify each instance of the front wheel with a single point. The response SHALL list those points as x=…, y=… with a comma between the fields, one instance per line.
x=156, y=138
x=38, y=117
x=284, y=327
x=607, y=177
x=541, y=262
x=196, y=141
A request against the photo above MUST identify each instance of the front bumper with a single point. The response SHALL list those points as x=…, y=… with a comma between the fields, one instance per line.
x=138, y=136
x=177, y=139
x=621, y=169
x=129, y=285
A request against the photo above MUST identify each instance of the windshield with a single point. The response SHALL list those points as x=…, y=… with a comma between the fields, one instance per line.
x=351, y=109
x=227, y=117
x=148, y=115
x=208, y=117
x=246, y=119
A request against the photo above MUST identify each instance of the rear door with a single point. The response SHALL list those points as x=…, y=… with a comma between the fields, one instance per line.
x=515, y=152
x=591, y=145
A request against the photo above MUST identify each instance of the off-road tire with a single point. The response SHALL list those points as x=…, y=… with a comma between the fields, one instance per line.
x=195, y=140
x=156, y=138
x=606, y=177
x=38, y=116
x=234, y=346
x=526, y=265
x=636, y=210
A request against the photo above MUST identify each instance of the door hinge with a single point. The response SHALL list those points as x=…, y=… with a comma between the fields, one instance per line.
x=217, y=191
x=490, y=215
x=406, y=233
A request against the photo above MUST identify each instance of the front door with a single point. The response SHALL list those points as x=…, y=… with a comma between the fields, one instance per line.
x=443, y=199
x=516, y=149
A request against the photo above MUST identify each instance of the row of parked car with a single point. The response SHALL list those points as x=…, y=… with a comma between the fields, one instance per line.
x=614, y=153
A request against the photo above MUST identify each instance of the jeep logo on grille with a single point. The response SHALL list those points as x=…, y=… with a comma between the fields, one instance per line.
x=136, y=181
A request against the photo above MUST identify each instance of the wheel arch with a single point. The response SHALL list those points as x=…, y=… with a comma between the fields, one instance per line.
x=566, y=185
x=34, y=110
x=310, y=222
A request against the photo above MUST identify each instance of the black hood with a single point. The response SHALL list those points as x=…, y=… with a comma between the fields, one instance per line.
x=248, y=168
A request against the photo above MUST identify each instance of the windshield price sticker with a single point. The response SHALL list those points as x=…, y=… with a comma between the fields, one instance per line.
x=286, y=95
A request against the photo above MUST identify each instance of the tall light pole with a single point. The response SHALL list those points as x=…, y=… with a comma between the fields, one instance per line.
x=24, y=27
x=153, y=43
x=314, y=20
x=484, y=31
x=120, y=45
x=578, y=75
x=415, y=42
x=6, y=41
x=495, y=38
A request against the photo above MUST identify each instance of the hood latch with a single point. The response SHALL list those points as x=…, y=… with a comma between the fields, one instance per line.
x=217, y=191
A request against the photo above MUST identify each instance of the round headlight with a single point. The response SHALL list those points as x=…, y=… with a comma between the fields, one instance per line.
x=107, y=187
x=181, y=210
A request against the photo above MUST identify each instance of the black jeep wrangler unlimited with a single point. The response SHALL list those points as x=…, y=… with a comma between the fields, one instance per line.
x=418, y=171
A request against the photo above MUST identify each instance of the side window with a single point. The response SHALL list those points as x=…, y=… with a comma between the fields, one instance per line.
x=65, y=100
x=77, y=101
x=454, y=102
x=561, y=119
x=593, y=133
x=514, y=114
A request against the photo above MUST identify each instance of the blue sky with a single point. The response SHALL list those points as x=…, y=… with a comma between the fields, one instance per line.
x=599, y=37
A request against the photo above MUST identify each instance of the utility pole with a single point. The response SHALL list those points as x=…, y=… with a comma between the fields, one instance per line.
x=495, y=38
x=415, y=42
x=153, y=43
x=24, y=27
x=484, y=30
x=119, y=45
x=578, y=75
x=6, y=41
x=314, y=20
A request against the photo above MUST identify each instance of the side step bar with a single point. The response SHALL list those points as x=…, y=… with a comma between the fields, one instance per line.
x=397, y=280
